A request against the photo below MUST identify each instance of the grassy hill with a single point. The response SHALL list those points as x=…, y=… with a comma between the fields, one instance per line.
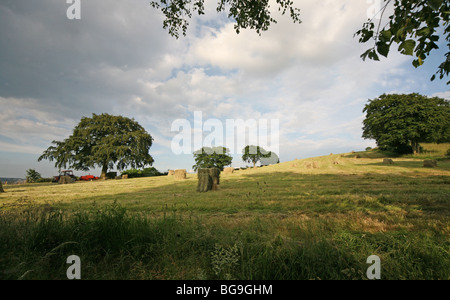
x=315, y=218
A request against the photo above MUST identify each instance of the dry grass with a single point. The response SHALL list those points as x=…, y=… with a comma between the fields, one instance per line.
x=283, y=216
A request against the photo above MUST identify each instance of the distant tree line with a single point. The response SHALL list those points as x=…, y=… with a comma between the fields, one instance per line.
x=219, y=157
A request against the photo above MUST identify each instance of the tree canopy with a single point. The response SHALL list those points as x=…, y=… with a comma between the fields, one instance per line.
x=272, y=159
x=32, y=176
x=254, y=154
x=212, y=157
x=400, y=122
x=102, y=141
x=252, y=14
x=415, y=25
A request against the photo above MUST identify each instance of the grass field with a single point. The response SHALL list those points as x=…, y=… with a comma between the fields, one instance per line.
x=316, y=218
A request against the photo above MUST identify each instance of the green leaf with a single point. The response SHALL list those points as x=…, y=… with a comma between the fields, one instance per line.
x=385, y=35
x=435, y=4
x=407, y=47
x=424, y=31
x=373, y=55
x=365, y=54
x=383, y=48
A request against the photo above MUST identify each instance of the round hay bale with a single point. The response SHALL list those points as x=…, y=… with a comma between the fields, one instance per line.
x=171, y=173
x=429, y=163
x=65, y=180
x=180, y=174
x=229, y=170
x=204, y=180
x=312, y=165
x=388, y=161
x=208, y=179
x=215, y=175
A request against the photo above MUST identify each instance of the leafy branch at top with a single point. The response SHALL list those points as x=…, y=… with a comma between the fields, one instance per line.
x=252, y=14
x=415, y=26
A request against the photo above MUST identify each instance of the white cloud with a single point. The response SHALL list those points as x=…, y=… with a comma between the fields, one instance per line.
x=119, y=60
x=445, y=95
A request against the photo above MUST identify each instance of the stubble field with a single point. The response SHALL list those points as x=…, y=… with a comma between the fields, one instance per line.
x=316, y=218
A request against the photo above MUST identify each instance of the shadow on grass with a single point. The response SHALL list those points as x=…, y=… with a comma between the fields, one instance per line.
x=413, y=164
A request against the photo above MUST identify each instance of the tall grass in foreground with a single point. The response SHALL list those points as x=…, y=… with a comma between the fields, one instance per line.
x=115, y=244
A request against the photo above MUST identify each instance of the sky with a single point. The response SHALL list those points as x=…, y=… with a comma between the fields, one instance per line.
x=118, y=59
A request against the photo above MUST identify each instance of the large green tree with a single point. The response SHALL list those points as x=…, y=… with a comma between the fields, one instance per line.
x=398, y=122
x=415, y=26
x=212, y=157
x=102, y=141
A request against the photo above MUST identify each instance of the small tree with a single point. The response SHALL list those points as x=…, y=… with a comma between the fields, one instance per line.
x=215, y=157
x=32, y=176
x=254, y=154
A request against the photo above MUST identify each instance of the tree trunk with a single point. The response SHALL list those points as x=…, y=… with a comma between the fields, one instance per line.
x=416, y=147
x=104, y=170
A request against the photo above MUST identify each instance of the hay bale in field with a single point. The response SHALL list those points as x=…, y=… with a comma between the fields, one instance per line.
x=171, y=173
x=215, y=175
x=208, y=179
x=65, y=180
x=429, y=163
x=180, y=174
x=335, y=162
x=125, y=176
x=204, y=180
x=312, y=165
x=229, y=170
x=388, y=161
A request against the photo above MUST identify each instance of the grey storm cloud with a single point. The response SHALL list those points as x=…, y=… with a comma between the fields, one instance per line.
x=82, y=64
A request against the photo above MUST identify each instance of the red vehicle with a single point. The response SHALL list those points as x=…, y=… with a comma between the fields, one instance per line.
x=89, y=177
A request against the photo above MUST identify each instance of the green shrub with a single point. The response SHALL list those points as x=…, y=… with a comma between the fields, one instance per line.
x=147, y=172
x=32, y=176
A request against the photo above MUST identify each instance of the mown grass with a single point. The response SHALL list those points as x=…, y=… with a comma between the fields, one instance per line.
x=286, y=221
